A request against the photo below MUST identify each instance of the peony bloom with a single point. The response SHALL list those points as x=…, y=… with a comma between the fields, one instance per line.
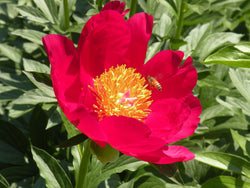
x=103, y=87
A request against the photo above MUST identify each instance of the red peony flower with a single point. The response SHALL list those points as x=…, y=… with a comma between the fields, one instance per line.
x=105, y=89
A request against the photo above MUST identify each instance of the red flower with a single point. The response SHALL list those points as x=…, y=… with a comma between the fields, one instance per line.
x=103, y=88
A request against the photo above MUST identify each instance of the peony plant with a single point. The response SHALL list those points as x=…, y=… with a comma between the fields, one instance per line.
x=107, y=91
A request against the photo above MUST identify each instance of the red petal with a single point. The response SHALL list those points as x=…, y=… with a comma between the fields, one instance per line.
x=140, y=25
x=176, y=82
x=191, y=123
x=163, y=65
x=167, y=118
x=103, y=42
x=115, y=5
x=129, y=135
x=167, y=155
x=65, y=67
x=65, y=75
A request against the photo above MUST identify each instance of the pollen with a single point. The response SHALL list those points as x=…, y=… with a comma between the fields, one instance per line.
x=121, y=91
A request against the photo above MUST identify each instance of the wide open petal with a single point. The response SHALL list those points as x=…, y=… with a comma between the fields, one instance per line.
x=129, y=135
x=140, y=26
x=179, y=84
x=167, y=154
x=117, y=6
x=191, y=123
x=167, y=118
x=163, y=65
x=103, y=42
x=67, y=85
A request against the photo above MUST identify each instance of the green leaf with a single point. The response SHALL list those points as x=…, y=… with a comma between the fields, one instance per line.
x=241, y=80
x=153, y=49
x=164, y=27
x=31, y=65
x=211, y=81
x=10, y=155
x=215, y=41
x=230, y=56
x=29, y=34
x=225, y=181
x=225, y=161
x=33, y=97
x=214, y=111
x=96, y=176
x=242, y=141
x=33, y=14
x=63, y=21
x=42, y=81
x=12, y=136
x=8, y=93
x=71, y=129
x=104, y=154
x=11, y=52
x=75, y=140
x=3, y=182
x=50, y=169
x=49, y=8
x=37, y=125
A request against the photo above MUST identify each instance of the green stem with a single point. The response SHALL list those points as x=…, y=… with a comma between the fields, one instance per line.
x=83, y=169
x=66, y=13
x=99, y=3
x=133, y=8
x=180, y=19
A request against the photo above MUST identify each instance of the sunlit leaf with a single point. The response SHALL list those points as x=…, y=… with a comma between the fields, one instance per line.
x=38, y=79
x=225, y=161
x=225, y=181
x=32, y=14
x=48, y=7
x=230, y=56
x=31, y=35
x=241, y=80
x=31, y=65
x=3, y=182
x=242, y=141
x=50, y=169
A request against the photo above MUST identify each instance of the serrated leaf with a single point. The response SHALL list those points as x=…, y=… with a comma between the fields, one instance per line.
x=242, y=141
x=225, y=161
x=3, y=182
x=50, y=169
x=225, y=181
x=38, y=80
x=31, y=65
x=230, y=56
x=33, y=14
x=29, y=34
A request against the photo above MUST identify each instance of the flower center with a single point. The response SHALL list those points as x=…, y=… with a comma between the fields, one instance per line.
x=121, y=92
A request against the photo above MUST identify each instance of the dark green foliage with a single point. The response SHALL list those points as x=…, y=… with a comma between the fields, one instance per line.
x=214, y=32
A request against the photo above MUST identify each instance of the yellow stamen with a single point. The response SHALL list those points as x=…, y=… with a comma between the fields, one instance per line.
x=121, y=92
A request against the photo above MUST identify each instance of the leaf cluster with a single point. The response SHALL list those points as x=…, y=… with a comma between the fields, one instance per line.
x=34, y=133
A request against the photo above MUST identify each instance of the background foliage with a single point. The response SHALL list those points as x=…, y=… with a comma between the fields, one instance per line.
x=214, y=32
